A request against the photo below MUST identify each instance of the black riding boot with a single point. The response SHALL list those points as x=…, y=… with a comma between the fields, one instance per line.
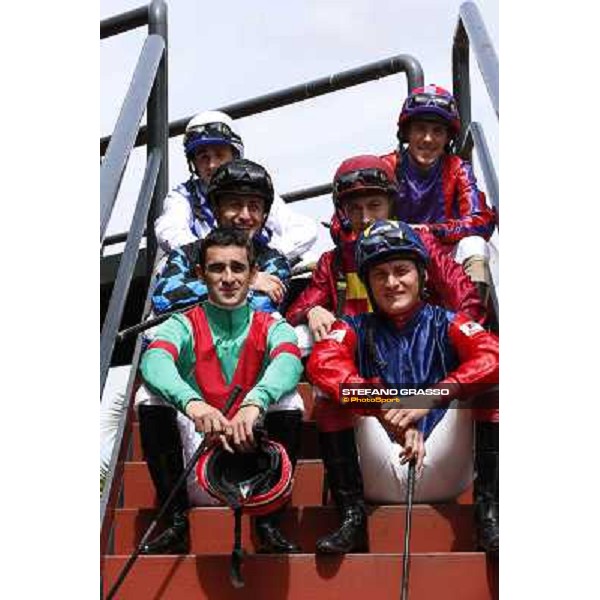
x=338, y=450
x=163, y=452
x=486, y=494
x=285, y=427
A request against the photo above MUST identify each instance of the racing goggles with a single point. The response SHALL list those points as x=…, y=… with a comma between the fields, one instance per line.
x=392, y=239
x=234, y=172
x=208, y=130
x=368, y=177
x=420, y=100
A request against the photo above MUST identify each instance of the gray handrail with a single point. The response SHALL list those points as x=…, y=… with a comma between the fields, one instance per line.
x=124, y=22
x=476, y=136
x=121, y=144
x=401, y=63
x=114, y=313
x=471, y=30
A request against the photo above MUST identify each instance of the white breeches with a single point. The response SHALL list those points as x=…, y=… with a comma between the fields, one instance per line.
x=447, y=469
x=190, y=439
x=473, y=245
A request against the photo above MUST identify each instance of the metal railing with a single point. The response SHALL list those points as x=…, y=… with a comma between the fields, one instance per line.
x=296, y=196
x=471, y=34
x=401, y=63
x=147, y=92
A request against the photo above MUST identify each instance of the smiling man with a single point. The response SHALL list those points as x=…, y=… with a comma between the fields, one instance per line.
x=193, y=363
x=405, y=342
x=212, y=139
x=437, y=189
x=364, y=190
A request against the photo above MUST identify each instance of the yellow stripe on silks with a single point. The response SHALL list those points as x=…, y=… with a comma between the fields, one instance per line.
x=355, y=290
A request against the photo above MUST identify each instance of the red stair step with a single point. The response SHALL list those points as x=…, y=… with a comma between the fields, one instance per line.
x=457, y=576
x=435, y=528
x=139, y=491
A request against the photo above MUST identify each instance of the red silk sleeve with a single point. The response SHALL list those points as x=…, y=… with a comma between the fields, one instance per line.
x=332, y=361
x=478, y=352
x=321, y=291
x=448, y=282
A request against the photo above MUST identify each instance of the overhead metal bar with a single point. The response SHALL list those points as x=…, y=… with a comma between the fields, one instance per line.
x=124, y=22
x=401, y=63
x=119, y=149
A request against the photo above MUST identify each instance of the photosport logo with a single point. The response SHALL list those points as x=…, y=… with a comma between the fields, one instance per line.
x=437, y=395
x=391, y=396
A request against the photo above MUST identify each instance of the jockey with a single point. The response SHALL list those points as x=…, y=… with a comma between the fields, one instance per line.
x=210, y=140
x=405, y=342
x=437, y=189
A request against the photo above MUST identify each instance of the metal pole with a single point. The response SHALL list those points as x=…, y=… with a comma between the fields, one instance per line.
x=484, y=51
x=119, y=149
x=158, y=127
x=318, y=87
x=123, y=280
x=123, y=22
x=461, y=81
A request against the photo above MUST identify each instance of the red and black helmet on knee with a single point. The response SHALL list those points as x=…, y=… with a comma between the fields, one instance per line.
x=430, y=103
x=259, y=482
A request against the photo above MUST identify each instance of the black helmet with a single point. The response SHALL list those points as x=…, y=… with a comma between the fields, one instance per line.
x=244, y=177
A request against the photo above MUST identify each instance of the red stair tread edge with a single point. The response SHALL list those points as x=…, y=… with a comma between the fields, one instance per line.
x=457, y=576
x=139, y=491
x=308, y=482
x=309, y=445
x=305, y=389
x=437, y=528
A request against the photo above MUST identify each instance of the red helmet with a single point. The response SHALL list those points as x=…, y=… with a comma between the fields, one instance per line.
x=363, y=173
x=259, y=482
x=430, y=103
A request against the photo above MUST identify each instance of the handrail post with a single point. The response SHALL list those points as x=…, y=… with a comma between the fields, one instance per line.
x=158, y=127
x=461, y=79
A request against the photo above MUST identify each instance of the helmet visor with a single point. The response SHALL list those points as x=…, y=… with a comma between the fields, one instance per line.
x=423, y=100
x=367, y=177
x=393, y=239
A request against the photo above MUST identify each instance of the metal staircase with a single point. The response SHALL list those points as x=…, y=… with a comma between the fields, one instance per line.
x=444, y=563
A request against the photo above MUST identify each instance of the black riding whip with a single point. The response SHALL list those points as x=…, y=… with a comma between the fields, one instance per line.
x=191, y=464
x=410, y=493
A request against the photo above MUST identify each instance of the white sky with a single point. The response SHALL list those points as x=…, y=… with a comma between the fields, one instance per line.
x=218, y=56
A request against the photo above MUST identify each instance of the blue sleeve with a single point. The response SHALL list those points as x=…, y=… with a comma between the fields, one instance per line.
x=273, y=262
x=177, y=285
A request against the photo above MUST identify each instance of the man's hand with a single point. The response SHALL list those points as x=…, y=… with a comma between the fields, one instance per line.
x=241, y=428
x=397, y=420
x=413, y=444
x=207, y=419
x=270, y=285
x=320, y=321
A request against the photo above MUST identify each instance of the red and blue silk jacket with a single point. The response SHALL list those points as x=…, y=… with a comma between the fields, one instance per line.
x=446, y=198
x=435, y=346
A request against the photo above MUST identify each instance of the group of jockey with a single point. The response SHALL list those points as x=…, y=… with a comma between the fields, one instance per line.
x=400, y=301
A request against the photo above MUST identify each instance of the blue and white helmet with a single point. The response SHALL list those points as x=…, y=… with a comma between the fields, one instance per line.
x=211, y=127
